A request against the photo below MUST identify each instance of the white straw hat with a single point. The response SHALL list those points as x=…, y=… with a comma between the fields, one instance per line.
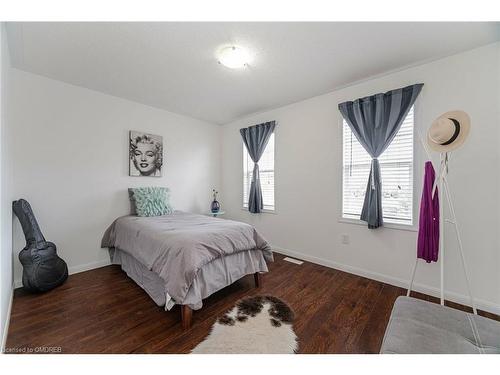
x=448, y=131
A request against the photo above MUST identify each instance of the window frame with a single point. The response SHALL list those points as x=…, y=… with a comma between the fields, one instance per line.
x=417, y=177
x=264, y=210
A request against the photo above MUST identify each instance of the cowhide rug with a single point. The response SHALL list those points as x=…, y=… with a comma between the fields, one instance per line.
x=256, y=325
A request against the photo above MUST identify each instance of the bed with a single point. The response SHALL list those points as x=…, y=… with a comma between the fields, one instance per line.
x=182, y=258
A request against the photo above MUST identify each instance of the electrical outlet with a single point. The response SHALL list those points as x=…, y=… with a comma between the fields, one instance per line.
x=345, y=239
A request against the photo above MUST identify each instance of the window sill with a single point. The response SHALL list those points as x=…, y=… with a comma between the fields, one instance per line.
x=408, y=228
x=264, y=211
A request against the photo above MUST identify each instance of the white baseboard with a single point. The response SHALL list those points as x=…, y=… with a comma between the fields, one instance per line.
x=7, y=321
x=75, y=269
x=88, y=266
x=422, y=288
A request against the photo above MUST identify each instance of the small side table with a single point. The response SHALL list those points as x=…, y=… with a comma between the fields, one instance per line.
x=218, y=213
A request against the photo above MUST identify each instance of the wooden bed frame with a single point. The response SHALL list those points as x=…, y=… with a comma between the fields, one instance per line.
x=187, y=312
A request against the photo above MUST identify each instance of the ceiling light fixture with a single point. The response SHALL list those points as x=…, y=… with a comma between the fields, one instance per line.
x=234, y=57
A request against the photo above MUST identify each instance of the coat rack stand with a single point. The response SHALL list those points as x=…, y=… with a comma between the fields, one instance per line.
x=444, y=188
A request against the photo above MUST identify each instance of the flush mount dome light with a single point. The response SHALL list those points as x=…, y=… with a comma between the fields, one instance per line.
x=233, y=57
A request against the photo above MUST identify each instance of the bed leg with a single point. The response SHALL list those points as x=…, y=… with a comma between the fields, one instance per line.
x=186, y=316
x=258, y=279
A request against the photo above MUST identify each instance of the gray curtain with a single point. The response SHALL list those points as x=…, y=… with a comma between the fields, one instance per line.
x=375, y=120
x=255, y=139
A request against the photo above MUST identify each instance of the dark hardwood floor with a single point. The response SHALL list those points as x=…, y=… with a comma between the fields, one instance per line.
x=103, y=311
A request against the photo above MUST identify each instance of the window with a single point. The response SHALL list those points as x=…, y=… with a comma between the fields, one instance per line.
x=396, y=169
x=266, y=168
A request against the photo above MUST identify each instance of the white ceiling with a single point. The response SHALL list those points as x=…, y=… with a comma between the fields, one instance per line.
x=172, y=65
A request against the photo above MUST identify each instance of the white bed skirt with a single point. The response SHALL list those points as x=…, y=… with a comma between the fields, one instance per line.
x=212, y=277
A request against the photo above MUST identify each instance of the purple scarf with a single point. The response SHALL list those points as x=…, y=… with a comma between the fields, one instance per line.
x=428, y=226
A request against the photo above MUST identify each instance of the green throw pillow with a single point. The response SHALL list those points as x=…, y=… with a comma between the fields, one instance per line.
x=151, y=201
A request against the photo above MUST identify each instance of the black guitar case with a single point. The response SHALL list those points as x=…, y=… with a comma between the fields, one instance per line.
x=43, y=270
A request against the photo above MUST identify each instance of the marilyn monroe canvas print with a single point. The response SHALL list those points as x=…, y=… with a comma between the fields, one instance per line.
x=145, y=154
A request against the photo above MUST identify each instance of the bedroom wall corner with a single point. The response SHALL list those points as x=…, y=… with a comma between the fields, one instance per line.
x=70, y=153
x=6, y=273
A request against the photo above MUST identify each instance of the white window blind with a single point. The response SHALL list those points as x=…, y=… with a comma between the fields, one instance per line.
x=266, y=168
x=396, y=168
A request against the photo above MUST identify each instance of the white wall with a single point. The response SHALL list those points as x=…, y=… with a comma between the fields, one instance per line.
x=5, y=189
x=308, y=179
x=70, y=157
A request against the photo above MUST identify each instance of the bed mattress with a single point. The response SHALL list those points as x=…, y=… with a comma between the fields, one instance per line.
x=191, y=255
